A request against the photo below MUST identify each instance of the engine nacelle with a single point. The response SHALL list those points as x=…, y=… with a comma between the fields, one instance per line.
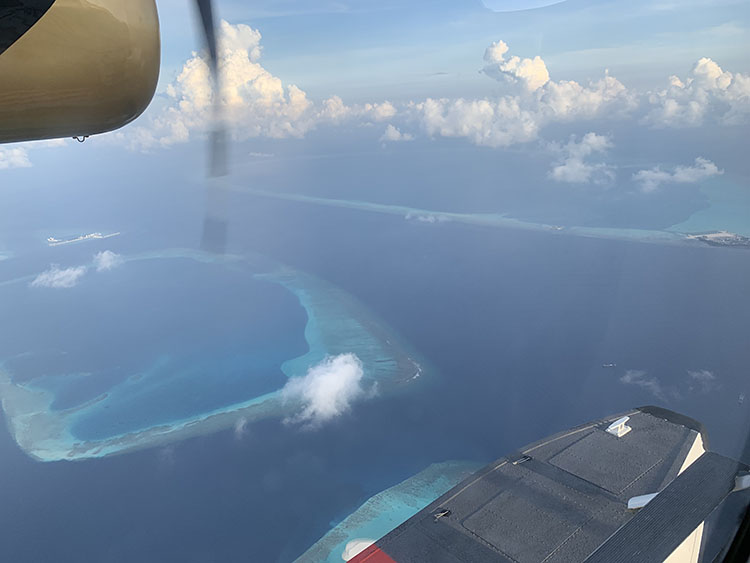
x=76, y=67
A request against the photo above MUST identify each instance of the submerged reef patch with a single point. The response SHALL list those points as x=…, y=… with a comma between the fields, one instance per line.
x=386, y=510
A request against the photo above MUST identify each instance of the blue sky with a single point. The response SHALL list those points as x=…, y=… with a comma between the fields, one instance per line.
x=362, y=49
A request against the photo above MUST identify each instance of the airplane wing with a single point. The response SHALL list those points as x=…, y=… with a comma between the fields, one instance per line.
x=566, y=498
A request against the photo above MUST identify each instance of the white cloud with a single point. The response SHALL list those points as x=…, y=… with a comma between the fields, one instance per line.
x=531, y=73
x=392, y=134
x=107, y=260
x=492, y=123
x=641, y=379
x=702, y=375
x=379, y=112
x=167, y=457
x=15, y=157
x=240, y=428
x=567, y=100
x=708, y=92
x=702, y=380
x=255, y=102
x=652, y=178
x=698, y=381
x=335, y=111
x=426, y=218
x=572, y=167
x=519, y=117
x=327, y=391
x=258, y=104
x=56, y=278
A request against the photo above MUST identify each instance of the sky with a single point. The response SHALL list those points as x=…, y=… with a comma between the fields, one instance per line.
x=584, y=84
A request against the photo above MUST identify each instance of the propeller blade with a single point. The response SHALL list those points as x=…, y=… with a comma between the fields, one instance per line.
x=214, y=236
x=217, y=141
x=206, y=12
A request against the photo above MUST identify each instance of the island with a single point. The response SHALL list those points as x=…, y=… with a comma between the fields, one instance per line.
x=722, y=238
x=52, y=241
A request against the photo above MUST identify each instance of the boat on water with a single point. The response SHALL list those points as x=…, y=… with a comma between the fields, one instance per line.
x=609, y=365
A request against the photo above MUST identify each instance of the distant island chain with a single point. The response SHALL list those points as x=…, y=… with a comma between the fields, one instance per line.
x=669, y=236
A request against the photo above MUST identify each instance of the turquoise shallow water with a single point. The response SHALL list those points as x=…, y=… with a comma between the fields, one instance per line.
x=386, y=510
x=210, y=342
x=491, y=220
x=729, y=209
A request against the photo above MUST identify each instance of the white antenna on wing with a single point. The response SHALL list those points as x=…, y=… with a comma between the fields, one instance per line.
x=619, y=427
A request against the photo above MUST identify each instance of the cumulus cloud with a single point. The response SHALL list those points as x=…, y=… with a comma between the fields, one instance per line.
x=55, y=277
x=518, y=118
x=707, y=92
x=107, y=260
x=640, y=378
x=327, y=391
x=15, y=157
x=531, y=73
x=652, y=178
x=254, y=101
x=572, y=166
x=492, y=123
x=377, y=112
x=392, y=134
x=566, y=100
x=259, y=104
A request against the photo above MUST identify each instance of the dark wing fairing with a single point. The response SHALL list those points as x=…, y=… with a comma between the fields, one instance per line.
x=17, y=17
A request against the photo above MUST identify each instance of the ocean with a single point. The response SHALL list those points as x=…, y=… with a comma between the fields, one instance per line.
x=513, y=328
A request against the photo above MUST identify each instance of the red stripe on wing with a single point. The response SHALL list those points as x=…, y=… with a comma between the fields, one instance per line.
x=372, y=554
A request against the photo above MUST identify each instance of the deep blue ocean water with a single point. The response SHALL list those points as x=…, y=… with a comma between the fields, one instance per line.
x=516, y=326
x=154, y=335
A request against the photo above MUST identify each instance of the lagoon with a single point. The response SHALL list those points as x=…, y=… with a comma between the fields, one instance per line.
x=174, y=344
